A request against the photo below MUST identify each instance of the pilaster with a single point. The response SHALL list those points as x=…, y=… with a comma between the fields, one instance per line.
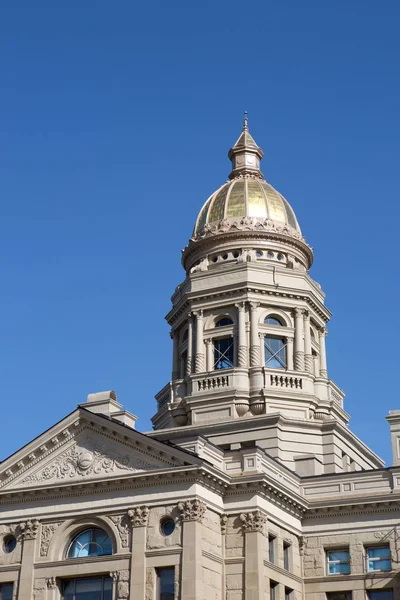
x=138, y=517
x=289, y=354
x=299, y=340
x=253, y=524
x=255, y=358
x=175, y=356
x=323, y=370
x=209, y=354
x=29, y=532
x=308, y=359
x=242, y=341
x=199, y=357
x=192, y=514
x=189, y=361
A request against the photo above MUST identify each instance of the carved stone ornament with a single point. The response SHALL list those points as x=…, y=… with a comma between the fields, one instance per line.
x=224, y=522
x=51, y=583
x=88, y=459
x=121, y=581
x=46, y=534
x=122, y=523
x=246, y=224
x=138, y=516
x=29, y=529
x=253, y=521
x=192, y=510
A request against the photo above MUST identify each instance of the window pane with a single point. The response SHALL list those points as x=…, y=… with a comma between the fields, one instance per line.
x=382, y=552
x=88, y=589
x=339, y=555
x=6, y=591
x=379, y=565
x=381, y=595
x=336, y=568
x=286, y=556
x=166, y=583
x=271, y=548
x=91, y=542
x=223, y=353
x=224, y=321
x=274, y=352
x=272, y=321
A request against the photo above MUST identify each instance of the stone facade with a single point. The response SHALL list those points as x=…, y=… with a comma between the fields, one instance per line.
x=251, y=485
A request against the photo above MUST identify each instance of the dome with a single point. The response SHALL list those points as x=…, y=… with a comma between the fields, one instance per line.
x=246, y=196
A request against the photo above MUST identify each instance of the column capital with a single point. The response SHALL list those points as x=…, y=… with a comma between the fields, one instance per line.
x=290, y=339
x=192, y=510
x=254, y=305
x=323, y=331
x=253, y=521
x=198, y=313
x=299, y=312
x=224, y=522
x=307, y=315
x=209, y=341
x=241, y=306
x=138, y=516
x=29, y=529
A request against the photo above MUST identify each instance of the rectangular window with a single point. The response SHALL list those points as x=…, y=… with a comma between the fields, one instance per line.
x=6, y=591
x=223, y=353
x=166, y=583
x=271, y=548
x=93, y=588
x=288, y=594
x=339, y=596
x=275, y=353
x=273, y=590
x=381, y=595
x=338, y=562
x=379, y=559
x=286, y=556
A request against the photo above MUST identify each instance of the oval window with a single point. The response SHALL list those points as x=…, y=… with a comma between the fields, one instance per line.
x=9, y=544
x=167, y=526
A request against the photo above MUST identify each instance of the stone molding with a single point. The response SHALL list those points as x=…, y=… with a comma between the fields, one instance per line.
x=29, y=529
x=138, y=516
x=192, y=510
x=47, y=533
x=253, y=521
x=123, y=525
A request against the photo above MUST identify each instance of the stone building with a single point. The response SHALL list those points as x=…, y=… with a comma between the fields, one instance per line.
x=251, y=485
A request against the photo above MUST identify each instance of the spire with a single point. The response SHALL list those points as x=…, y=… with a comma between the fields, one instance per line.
x=245, y=155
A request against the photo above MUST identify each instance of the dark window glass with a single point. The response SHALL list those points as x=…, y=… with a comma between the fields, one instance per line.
x=271, y=548
x=94, y=588
x=224, y=321
x=166, y=583
x=339, y=596
x=381, y=595
x=6, y=591
x=288, y=594
x=167, y=526
x=273, y=590
x=286, y=556
x=91, y=542
x=10, y=543
x=272, y=321
x=223, y=353
x=275, y=354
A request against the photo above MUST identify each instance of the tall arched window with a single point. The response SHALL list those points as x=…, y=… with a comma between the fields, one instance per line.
x=273, y=321
x=223, y=353
x=91, y=542
x=275, y=352
x=224, y=321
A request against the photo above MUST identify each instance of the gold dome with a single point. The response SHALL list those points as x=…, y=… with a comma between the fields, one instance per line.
x=247, y=194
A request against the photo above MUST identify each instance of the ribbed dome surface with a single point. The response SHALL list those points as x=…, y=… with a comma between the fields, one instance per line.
x=246, y=197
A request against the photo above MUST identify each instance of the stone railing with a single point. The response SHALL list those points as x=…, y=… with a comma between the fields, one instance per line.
x=213, y=383
x=286, y=381
x=164, y=396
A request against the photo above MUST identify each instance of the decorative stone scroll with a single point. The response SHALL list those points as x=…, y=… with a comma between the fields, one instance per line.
x=253, y=521
x=121, y=580
x=192, y=510
x=47, y=533
x=139, y=516
x=29, y=529
x=122, y=523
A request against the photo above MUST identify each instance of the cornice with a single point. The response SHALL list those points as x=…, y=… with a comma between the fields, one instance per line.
x=82, y=561
x=170, y=551
x=355, y=507
x=281, y=571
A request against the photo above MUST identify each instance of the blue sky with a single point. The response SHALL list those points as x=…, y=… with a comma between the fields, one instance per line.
x=116, y=118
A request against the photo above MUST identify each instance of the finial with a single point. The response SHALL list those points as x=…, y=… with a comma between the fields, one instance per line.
x=245, y=121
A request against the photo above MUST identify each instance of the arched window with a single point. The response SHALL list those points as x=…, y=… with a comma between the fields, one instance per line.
x=224, y=321
x=275, y=352
x=91, y=542
x=223, y=353
x=273, y=321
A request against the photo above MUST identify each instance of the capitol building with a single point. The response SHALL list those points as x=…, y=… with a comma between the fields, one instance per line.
x=251, y=486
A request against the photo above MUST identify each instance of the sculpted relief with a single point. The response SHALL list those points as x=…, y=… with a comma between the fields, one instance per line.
x=88, y=457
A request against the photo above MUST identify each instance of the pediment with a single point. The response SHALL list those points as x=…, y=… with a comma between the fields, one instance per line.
x=83, y=451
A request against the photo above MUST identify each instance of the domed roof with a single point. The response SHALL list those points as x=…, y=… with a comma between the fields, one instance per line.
x=246, y=197
x=247, y=194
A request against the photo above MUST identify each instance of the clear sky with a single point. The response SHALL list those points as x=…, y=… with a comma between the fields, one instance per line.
x=116, y=118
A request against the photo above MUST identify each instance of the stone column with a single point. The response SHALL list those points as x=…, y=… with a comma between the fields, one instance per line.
x=209, y=354
x=192, y=513
x=254, y=340
x=289, y=354
x=138, y=517
x=308, y=359
x=175, y=355
x=323, y=370
x=242, y=341
x=253, y=524
x=199, y=358
x=299, y=340
x=29, y=531
x=189, y=346
x=316, y=365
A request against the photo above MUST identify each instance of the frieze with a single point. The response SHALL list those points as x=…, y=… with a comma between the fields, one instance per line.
x=253, y=521
x=192, y=510
x=46, y=534
x=246, y=224
x=122, y=523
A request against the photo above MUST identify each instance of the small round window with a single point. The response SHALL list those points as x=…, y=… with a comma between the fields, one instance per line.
x=9, y=544
x=167, y=526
